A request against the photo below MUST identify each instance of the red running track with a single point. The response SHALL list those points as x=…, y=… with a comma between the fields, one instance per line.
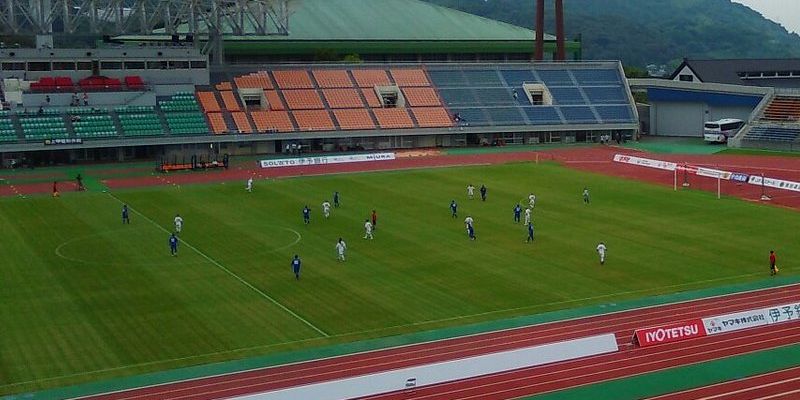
x=784, y=384
x=615, y=365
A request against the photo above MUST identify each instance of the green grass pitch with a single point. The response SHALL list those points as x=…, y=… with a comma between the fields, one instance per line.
x=83, y=297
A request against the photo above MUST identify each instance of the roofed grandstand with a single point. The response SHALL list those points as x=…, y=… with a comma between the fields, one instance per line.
x=395, y=99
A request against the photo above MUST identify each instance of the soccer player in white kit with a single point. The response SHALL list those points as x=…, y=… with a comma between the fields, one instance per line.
x=531, y=200
x=340, y=248
x=178, y=223
x=368, y=229
x=601, y=249
x=249, y=186
x=470, y=191
x=326, y=208
x=527, y=216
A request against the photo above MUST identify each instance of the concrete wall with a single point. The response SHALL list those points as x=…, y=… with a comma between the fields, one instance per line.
x=677, y=119
x=34, y=100
x=687, y=119
x=194, y=76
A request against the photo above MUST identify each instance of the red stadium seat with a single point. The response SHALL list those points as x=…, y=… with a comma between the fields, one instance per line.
x=134, y=82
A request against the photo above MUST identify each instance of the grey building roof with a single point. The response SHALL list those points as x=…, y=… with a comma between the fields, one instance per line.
x=751, y=72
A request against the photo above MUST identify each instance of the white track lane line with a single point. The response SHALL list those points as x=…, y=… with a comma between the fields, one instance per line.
x=540, y=381
x=276, y=379
x=723, y=384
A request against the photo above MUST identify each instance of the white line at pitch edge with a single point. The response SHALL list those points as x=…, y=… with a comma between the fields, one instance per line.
x=231, y=273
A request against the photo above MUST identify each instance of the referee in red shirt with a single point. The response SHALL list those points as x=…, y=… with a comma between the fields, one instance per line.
x=773, y=269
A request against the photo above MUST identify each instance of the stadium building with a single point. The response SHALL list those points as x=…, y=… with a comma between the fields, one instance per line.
x=375, y=31
x=463, y=80
x=762, y=93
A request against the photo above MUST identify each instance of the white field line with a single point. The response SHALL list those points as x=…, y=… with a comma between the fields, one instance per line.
x=247, y=382
x=157, y=362
x=231, y=273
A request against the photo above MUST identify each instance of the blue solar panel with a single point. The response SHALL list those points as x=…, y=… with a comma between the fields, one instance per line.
x=555, y=77
x=543, y=115
x=615, y=113
x=581, y=95
x=567, y=95
x=506, y=116
x=472, y=116
x=458, y=97
x=516, y=77
x=492, y=96
x=606, y=95
x=481, y=77
x=448, y=77
x=576, y=114
x=596, y=76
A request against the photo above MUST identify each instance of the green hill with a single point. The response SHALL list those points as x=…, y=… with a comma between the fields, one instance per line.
x=642, y=32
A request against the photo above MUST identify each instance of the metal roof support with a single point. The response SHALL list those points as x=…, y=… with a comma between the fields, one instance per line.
x=538, y=54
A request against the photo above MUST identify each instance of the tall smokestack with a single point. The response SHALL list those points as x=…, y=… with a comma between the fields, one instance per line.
x=560, y=53
x=538, y=53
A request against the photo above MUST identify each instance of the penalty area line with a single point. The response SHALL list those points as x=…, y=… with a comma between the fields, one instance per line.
x=231, y=273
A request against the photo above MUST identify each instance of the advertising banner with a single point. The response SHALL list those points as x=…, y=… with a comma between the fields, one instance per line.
x=775, y=183
x=645, y=162
x=740, y=177
x=734, y=322
x=713, y=173
x=670, y=333
x=341, y=159
x=785, y=313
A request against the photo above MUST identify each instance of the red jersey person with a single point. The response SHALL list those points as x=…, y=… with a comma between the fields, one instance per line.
x=773, y=268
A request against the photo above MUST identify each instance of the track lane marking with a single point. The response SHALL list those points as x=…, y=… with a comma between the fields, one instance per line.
x=768, y=292
x=512, y=381
x=723, y=384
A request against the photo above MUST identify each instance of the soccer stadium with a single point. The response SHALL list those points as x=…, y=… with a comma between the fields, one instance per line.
x=384, y=199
